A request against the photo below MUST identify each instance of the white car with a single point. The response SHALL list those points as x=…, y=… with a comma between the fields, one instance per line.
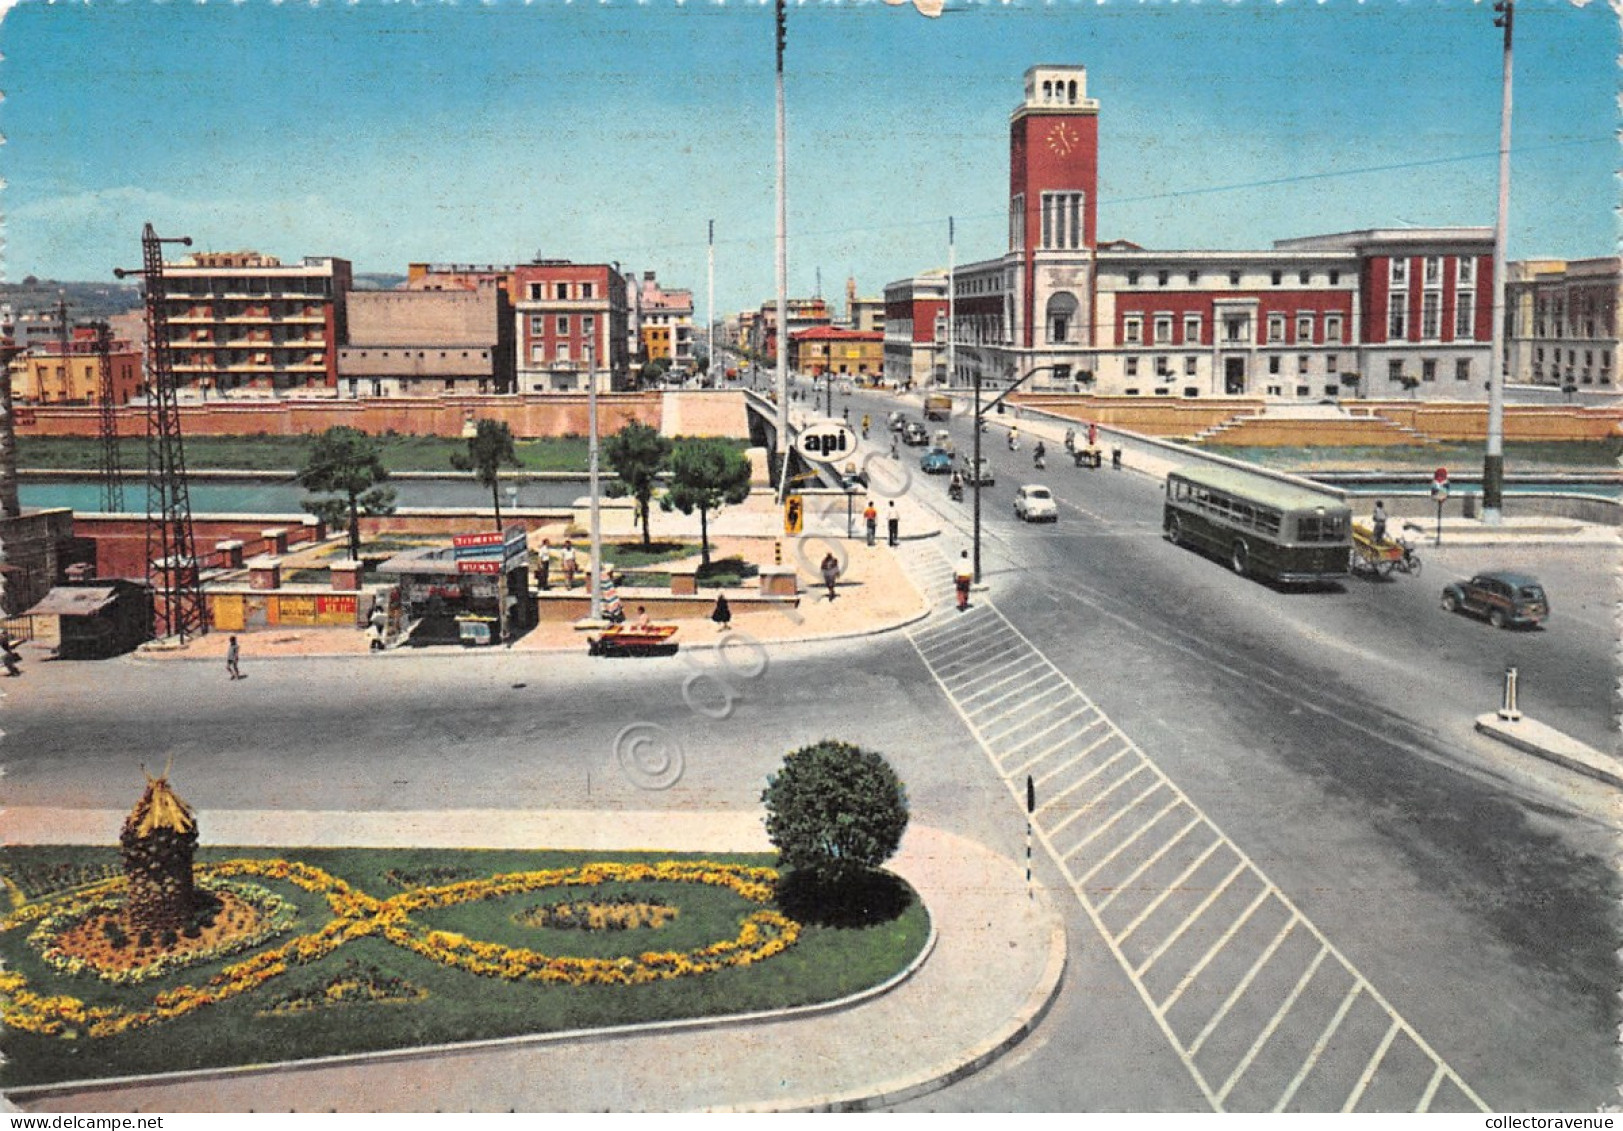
x=1035, y=503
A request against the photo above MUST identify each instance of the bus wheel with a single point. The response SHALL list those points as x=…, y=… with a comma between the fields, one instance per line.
x=1240, y=559
x=1175, y=530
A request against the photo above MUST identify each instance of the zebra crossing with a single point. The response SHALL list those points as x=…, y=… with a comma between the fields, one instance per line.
x=1265, y=1012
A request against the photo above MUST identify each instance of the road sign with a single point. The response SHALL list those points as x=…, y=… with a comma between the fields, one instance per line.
x=793, y=514
x=1440, y=477
x=470, y=541
x=826, y=441
x=479, y=565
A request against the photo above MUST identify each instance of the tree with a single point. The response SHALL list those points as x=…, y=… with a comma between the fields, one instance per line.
x=638, y=453
x=1409, y=382
x=835, y=811
x=706, y=475
x=1350, y=380
x=490, y=448
x=654, y=371
x=1569, y=388
x=348, y=464
x=701, y=362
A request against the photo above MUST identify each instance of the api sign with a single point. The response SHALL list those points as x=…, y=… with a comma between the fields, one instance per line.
x=826, y=441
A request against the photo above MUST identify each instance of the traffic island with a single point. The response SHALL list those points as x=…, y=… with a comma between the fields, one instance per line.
x=1534, y=737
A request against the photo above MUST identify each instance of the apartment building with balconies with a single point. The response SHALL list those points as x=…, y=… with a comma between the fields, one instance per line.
x=246, y=324
x=570, y=322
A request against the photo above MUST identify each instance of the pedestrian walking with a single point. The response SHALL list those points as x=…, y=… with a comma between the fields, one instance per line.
x=831, y=572
x=870, y=515
x=1378, y=521
x=9, y=655
x=233, y=655
x=543, y=565
x=722, y=614
x=962, y=578
x=570, y=563
x=893, y=526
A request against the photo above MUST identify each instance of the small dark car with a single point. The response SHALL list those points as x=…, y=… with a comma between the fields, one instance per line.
x=1504, y=597
x=914, y=435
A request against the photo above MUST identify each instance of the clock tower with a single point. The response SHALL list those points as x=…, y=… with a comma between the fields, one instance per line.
x=1053, y=182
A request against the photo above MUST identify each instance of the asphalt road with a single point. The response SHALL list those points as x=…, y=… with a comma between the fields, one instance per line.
x=1325, y=736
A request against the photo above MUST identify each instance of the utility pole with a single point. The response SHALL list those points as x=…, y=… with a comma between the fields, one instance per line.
x=173, y=570
x=783, y=266
x=596, y=550
x=952, y=304
x=111, y=471
x=1493, y=460
x=710, y=319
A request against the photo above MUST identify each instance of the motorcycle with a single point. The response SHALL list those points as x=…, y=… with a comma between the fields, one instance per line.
x=1037, y=458
x=1014, y=442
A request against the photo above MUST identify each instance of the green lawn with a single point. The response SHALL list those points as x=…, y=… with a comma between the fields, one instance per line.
x=1520, y=456
x=286, y=453
x=423, y=1001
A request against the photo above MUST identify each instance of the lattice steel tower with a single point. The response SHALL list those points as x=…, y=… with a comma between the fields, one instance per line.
x=173, y=570
x=111, y=471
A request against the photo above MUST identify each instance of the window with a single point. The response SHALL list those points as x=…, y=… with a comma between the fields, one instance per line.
x=1194, y=277
x=1017, y=222
x=1400, y=272
x=538, y=354
x=1304, y=277
x=1332, y=363
x=1304, y=327
x=1464, y=308
x=563, y=323
x=1132, y=278
x=1278, y=277
x=1191, y=329
x=1434, y=271
x=1062, y=219
x=1431, y=305
x=535, y=292
x=563, y=351
x=586, y=290
x=1394, y=371
x=1161, y=278
x=1132, y=367
x=1130, y=392
x=538, y=325
x=1332, y=327
x=1234, y=329
x=1397, y=315
x=1273, y=364
x=1276, y=390
x=1133, y=330
x=1303, y=391
x=1466, y=271
x=1234, y=278
x=587, y=324
x=1163, y=329
x=1276, y=327
x=1462, y=369
x=1335, y=278
x=1301, y=363
x=1191, y=391
x=1189, y=366
x=560, y=290
x=1163, y=366
x=1428, y=369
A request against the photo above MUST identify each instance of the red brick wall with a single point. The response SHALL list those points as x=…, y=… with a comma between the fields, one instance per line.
x=529, y=416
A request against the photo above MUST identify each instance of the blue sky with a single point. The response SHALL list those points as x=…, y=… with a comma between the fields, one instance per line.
x=392, y=132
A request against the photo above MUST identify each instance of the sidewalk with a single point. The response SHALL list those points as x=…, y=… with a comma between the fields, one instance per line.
x=996, y=964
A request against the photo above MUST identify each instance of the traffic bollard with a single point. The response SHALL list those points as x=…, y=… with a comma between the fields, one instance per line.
x=1115, y=458
x=1508, y=710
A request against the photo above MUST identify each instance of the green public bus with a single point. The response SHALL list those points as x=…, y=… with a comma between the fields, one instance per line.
x=1262, y=527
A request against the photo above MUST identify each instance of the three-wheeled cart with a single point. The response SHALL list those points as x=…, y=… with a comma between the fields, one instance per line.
x=1381, y=558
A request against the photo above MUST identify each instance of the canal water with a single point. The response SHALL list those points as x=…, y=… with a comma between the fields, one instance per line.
x=283, y=496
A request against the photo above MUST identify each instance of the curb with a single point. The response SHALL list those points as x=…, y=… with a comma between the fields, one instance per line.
x=1025, y=1021
x=1577, y=757
x=423, y=1052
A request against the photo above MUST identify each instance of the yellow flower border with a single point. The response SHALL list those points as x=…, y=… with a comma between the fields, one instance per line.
x=356, y=915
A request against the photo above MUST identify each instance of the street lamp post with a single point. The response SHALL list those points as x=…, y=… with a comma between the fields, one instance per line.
x=975, y=468
x=591, y=448
x=1493, y=460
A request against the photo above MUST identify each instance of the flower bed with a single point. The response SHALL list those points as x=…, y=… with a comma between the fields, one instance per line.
x=437, y=962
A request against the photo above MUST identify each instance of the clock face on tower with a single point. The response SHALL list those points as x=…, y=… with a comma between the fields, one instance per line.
x=1062, y=139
